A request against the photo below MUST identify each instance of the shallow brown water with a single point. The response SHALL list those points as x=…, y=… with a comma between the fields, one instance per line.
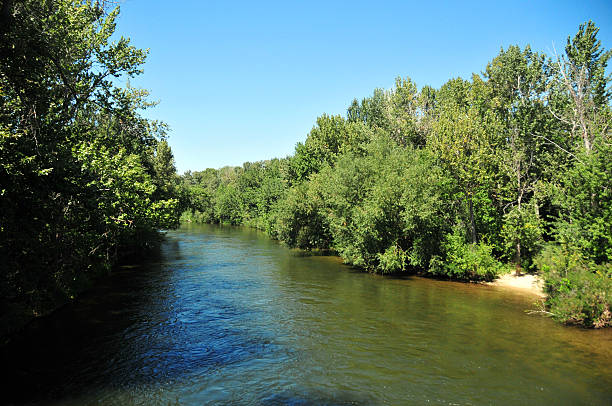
x=227, y=316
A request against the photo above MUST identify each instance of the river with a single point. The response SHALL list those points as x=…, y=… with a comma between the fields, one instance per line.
x=227, y=316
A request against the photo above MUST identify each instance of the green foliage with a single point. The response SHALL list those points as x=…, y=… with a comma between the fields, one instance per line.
x=579, y=291
x=245, y=195
x=466, y=261
x=391, y=198
x=445, y=181
x=522, y=234
x=125, y=192
x=83, y=177
x=228, y=205
x=331, y=136
x=463, y=138
x=585, y=199
x=372, y=111
x=400, y=113
x=585, y=54
x=199, y=188
x=393, y=260
x=299, y=221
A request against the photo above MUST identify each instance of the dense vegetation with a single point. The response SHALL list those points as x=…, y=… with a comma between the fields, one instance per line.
x=510, y=169
x=84, y=178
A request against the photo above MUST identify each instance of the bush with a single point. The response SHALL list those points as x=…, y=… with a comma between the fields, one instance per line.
x=228, y=205
x=466, y=261
x=585, y=200
x=298, y=222
x=522, y=226
x=388, y=210
x=392, y=260
x=579, y=292
x=196, y=217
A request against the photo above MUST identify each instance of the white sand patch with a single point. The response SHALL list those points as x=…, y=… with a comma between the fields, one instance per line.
x=526, y=282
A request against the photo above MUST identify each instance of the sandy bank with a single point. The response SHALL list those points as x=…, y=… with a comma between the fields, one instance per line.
x=525, y=282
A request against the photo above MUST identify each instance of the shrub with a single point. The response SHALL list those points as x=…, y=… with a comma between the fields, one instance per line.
x=228, y=205
x=579, y=292
x=298, y=222
x=388, y=210
x=466, y=261
x=392, y=260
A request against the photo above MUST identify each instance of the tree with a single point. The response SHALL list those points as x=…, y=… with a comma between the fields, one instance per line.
x=321, y=147
x=77, y=183
x=462, y=137
x=404, y=104
x=582, y=81
x=518, y=82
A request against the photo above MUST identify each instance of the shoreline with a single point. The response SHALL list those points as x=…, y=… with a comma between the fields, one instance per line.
x=525, y=283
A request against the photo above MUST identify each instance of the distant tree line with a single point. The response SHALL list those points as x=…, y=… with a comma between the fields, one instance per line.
x=510, y=169
x=84, y=178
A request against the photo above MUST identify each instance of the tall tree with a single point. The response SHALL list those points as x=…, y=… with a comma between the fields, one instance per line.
x=76, y=180
x=463, y=136
x=518, y=83
x=581, y=78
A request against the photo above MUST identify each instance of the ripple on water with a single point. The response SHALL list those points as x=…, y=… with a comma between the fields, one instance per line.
x=226, y=316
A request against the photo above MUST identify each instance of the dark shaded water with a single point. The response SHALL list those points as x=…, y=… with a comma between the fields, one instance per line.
x=227, y=316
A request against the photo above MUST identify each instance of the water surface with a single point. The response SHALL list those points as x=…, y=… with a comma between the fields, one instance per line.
x=227, y=316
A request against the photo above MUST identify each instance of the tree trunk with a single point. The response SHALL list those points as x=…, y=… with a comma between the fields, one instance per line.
x=472, y=222
x=518, y=234
x=518, y=257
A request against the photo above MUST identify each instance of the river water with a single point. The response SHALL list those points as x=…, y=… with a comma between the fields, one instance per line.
x=227, y=316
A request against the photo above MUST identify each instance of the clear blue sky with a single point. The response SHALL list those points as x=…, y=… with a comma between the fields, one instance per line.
x=245, y=81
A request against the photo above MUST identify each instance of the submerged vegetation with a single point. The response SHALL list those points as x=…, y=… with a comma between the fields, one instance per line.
x=510, y=170
x=84, y=178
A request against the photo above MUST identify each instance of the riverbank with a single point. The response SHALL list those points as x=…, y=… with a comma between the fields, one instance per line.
x=525, y=282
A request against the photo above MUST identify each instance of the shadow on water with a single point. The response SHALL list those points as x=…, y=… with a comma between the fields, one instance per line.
x=140, y=326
